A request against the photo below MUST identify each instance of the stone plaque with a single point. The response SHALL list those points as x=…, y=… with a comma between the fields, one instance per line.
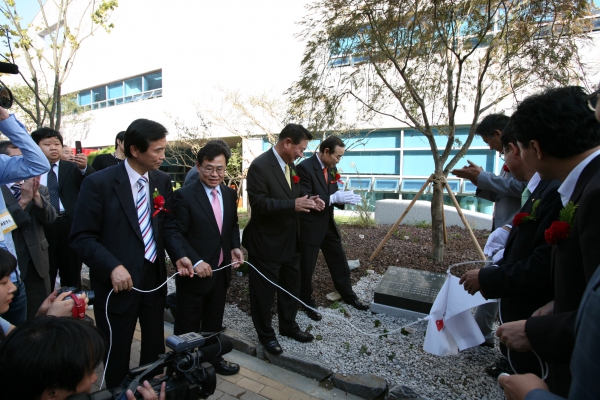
x=409, y=289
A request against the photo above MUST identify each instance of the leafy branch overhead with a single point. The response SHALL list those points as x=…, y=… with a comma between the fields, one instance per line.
x=430, y=66
x=45, y=51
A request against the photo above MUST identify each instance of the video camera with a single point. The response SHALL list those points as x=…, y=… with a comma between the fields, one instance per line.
x=6, y=96
x=89, y=293
x=189, y=376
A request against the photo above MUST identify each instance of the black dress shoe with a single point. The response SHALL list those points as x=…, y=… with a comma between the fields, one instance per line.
x=299, y=336
x=315, y=316
x=226, y=368
x=359, y=305
x=273, y=347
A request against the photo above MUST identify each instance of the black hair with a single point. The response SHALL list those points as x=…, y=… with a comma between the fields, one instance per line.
x=490, y=124
x=48, y=353
x=44, y=133
x=140, y=133
x=331, y=143
x=296, y=132
x=120, y=137
x=8, y=263
x=213, y=149
x=5, y=145
x=508, y=136
x=559, y=119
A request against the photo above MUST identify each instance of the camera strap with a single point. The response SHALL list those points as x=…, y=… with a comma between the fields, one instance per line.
x=79, y=307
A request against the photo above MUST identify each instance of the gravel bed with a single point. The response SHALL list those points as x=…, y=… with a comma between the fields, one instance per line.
x=399, y=358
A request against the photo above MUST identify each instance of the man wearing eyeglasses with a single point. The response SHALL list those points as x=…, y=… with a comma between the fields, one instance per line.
x=318, y=230
x=206, y=214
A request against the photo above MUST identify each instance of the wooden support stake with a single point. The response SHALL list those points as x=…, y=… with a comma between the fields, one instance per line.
x=464, y=220
x=389, y=235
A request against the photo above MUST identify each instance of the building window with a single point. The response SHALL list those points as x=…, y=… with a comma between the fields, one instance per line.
x=141, y=87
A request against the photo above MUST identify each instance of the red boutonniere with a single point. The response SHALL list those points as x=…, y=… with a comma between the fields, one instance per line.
x=295, y=178
x=159, y=203
x=505, y=168
x=524, y=217
x=562, y=228
x=336, y=178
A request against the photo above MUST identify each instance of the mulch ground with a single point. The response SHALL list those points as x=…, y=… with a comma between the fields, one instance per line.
x=409, y=247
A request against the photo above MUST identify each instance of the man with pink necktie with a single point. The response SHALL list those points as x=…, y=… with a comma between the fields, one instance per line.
x=206, y=214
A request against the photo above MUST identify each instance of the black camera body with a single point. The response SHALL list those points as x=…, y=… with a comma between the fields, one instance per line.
x=89, y=293
x=189, y=376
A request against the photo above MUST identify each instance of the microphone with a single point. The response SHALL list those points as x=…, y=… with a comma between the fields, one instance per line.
x=8, y=68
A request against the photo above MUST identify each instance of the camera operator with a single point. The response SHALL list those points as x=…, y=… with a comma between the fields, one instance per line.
x=50, y=358
x=53, y=305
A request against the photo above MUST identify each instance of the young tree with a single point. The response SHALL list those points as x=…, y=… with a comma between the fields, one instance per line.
x=422, y=63
x=46, y=49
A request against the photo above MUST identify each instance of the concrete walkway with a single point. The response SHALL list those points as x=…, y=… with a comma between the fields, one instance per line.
x=257, y=379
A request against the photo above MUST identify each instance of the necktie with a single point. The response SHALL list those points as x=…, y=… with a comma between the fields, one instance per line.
x=287, y=175
x=145, y=221
x=216, y=206
x=325, y=175
x=53, y=188
x=16, y=190
x=525, y=196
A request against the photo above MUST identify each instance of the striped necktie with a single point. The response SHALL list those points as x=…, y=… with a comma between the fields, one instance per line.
x=216, y=206
x=143, y=212
x=287, y=175
x=52, y=183
x=15, y=188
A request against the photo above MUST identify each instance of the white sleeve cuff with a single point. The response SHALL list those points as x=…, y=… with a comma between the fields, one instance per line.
x=195, y=265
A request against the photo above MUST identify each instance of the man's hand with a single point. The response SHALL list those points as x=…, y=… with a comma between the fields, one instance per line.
x=120, y=278
x=81, y=160
x=512, y=334
x=471, y=281
x=185, y=267
x=470, y=172
x=203, y=270
x=548, y=309
x=147, y=392
x=319, y=203
x=60, y=308
x=237, y=257
x=304, y=204
x=30, y=191
x=516, y=387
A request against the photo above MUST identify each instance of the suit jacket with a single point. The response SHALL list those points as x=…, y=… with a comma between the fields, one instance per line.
x=69, y=185
x=271, y=233
x=505, y=191
x=524, y=280
x=106, y=232
x=29, y=237
x=201, y=237
x=313, y=225
x=574, y=261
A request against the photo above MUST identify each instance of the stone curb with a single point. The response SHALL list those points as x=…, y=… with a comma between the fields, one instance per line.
x=367, y=386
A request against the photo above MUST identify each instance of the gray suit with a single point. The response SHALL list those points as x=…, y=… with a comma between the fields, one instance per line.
x=505, y=191
x=32, y=246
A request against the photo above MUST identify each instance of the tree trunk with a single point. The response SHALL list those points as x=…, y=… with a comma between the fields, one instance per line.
x=437, y=227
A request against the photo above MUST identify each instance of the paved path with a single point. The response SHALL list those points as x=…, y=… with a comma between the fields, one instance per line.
x=257, y=380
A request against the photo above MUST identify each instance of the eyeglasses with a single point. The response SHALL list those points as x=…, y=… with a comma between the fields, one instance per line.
x=337, y=156
x=592, y=100
x=501, y=155
x=210, y=170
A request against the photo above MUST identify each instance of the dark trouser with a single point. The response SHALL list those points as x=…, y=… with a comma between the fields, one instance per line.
x=335, y=257
x=149, y=307
x=38, y=289
x=262, y=295
x=202, y=313
x=62, y=259
x=17, y=313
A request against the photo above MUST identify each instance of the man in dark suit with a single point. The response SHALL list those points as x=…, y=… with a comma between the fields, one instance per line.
x=318, y=229
x=522, y=278
x=271, y=236
x=63, y=182
x=206, y=214
x=559, y=136
x=121, y=229
x=29, y=204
